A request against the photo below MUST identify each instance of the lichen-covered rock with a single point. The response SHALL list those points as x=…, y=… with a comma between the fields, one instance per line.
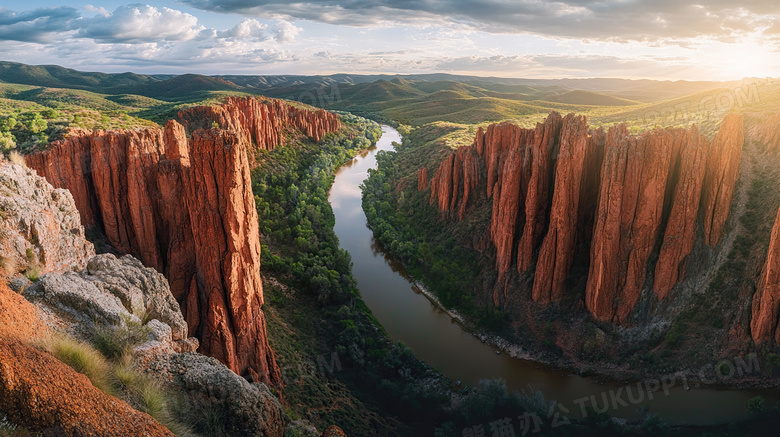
x=45, y=395
x=109, y=292
x=40, y=230
x=208, y=387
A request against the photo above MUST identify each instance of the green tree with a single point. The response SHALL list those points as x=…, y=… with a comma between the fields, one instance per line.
x=7, y=142
x=36, y=124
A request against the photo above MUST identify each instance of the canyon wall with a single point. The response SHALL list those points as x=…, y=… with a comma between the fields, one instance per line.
x=563, y=184
x=184, y=206
x=261, y=122
x=766, y=301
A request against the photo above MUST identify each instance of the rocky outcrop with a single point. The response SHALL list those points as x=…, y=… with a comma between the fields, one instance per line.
x=547, y=138
x=208, y=387
x=45, y=395
x=680, y=231
x=422, y=179
x=184, y=206
x=628, y=219
x=725, y=154
x=40, y=230
x=517, y=166
x=764, y=326
x=109, y=292
x=264, y=123
x=562, y=186
x=556, y=255
x=227, y=290
x=461, y=170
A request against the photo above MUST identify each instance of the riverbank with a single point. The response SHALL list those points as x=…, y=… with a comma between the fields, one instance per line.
x=563, y=379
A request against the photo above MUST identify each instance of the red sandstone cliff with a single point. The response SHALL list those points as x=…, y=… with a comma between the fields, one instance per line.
x=721, y=175
x=638, y=192
x=262, y=123
x=571, y=172
x=628, y=218
x=185, y=207
x=680, y=231
x=422, y=179
x=766, y=301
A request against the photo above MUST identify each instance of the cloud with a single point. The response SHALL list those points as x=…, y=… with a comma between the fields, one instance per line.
x=248, y=29
x=140, y=23
x=593, y=19
x=286, y=31
x=100, y=10
x=131, y=24
x=37, y=25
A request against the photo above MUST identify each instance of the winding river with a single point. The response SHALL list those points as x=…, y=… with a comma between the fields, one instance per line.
x=410, y=317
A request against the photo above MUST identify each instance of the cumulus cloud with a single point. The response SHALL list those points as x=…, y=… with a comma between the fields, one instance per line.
x=596, y=19
x=286, y=31
x=247, y=29
x=100, y=10
x=131, y=24
x=141, y=23
x=37, y=25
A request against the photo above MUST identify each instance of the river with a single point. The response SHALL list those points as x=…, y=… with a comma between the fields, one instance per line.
x=410, y=317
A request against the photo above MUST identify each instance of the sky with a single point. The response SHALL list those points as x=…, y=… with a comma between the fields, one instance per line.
x=655, y=39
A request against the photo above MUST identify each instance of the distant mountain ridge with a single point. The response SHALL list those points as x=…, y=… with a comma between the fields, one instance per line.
x=61, y=77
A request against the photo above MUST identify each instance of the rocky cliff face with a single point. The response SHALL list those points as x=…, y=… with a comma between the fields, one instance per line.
x=766, y=301
x=40, y=230
x=577, y=151
x=680, y=231
x=561, y=185
x=262, y=123
x=628, y=219
x=721, y=175
x=184, y=206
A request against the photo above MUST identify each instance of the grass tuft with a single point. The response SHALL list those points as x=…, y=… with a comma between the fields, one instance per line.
x=82, y=357
x=115, y=342
x=17, y=158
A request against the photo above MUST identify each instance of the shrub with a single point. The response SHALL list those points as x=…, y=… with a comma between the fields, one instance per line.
x=33, y=271
x=145, y=394
x=114, y=342
x=756, y=405
x=772, y=363
x=8, y=264
x=675, y=334
x=16, y=158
